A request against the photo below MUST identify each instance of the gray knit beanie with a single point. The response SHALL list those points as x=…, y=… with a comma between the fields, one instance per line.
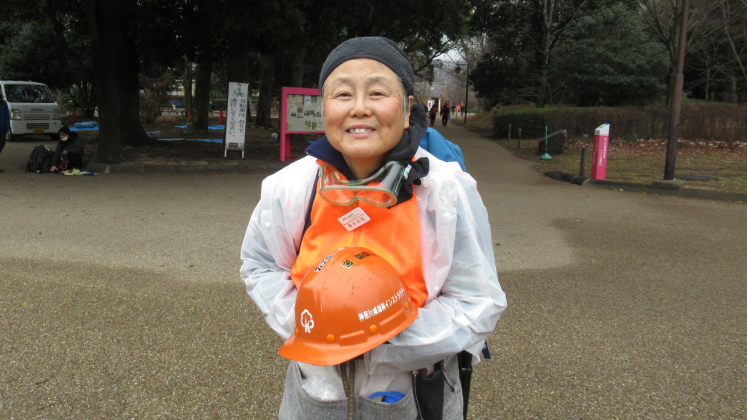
x=381, y=49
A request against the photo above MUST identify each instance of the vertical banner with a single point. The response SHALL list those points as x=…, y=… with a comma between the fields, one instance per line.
x=238, y=107
x=601, y=144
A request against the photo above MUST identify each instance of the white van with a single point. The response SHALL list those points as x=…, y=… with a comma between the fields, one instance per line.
x=32, y=109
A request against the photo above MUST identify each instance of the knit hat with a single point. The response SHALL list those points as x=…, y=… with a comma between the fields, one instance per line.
x=381, y=49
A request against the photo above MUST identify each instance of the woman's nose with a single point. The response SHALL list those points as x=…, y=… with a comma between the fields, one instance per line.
x=360, y=106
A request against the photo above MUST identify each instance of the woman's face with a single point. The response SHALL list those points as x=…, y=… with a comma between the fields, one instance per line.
x=363, y=113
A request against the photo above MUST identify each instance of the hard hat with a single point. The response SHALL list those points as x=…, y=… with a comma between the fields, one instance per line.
x=350, y=303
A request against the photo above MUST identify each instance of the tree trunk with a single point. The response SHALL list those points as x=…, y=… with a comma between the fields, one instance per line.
x=297, y=68
x=204, y=80
x=238, y=63
x=115, y=75
x=547, y=25
x=670, y=84
x=267, y=79
x=188, y=86
x=296, y=63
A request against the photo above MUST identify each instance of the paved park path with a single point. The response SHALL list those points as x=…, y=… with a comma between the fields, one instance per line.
x=120, y=298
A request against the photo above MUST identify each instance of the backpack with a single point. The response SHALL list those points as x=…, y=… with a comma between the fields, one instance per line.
x=40, y=160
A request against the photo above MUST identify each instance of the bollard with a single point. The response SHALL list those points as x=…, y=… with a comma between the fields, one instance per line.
x=599, y=158
x=583, y=160
x=509, y=132
x=221, y=120
x=518, y=141
x=73, y=118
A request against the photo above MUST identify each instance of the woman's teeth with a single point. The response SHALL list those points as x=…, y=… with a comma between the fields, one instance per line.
x=360, y=130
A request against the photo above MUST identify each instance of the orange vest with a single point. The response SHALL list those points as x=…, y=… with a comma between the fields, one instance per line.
x=392, y=233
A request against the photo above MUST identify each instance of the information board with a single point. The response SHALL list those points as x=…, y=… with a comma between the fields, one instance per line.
x=300, y=113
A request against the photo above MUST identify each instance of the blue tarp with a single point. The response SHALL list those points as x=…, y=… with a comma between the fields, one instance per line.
x=205, y=140
x=82, y=129
x=210, y=127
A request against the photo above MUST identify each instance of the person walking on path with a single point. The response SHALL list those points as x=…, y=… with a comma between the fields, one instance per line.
x=372, y=135
x=445, y=112
x=4, y=122
x=432, y=114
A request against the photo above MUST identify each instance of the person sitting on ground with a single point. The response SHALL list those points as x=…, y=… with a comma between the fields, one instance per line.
x=69, y=148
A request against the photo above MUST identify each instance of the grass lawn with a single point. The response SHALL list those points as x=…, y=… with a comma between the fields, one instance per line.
x=638, y=161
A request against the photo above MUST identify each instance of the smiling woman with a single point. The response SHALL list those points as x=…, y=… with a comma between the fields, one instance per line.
x=363, y=113
x=367, y=184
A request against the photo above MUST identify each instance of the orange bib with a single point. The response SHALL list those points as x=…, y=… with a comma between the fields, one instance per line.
x=392, y=233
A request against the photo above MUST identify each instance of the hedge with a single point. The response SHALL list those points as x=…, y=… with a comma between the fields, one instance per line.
x=723, y=122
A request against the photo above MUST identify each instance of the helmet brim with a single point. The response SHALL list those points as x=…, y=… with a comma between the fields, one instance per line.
x=334, y=354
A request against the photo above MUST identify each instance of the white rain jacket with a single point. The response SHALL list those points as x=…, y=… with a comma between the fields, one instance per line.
x=464, y=301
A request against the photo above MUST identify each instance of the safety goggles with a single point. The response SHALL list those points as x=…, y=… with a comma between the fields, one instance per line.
x=380, y=189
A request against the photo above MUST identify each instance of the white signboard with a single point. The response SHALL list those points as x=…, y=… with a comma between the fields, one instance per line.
x=238, y=107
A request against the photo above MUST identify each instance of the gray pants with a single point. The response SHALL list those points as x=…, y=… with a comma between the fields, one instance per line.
x=299, y=405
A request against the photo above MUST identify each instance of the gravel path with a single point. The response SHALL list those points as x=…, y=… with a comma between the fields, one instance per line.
x=120, y=298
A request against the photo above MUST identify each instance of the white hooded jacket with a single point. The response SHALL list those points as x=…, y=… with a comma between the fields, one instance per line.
x=464, y=301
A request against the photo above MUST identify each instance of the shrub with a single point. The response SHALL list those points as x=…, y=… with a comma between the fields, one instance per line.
x=165, y=120
x=532, y=122
x=720, y=122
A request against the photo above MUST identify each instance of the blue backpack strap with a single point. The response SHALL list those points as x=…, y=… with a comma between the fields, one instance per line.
x=438, y=146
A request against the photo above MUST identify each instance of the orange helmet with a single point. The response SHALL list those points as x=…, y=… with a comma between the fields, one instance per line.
x=350, y=303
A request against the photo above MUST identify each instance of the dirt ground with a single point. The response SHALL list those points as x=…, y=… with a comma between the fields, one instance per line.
x=640, y=161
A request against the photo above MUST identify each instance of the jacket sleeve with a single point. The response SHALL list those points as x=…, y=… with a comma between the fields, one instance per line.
x=467, y=305
x=271, y=245
x=4, y=116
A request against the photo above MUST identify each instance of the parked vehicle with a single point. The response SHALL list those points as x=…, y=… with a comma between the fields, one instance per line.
x=33, y=110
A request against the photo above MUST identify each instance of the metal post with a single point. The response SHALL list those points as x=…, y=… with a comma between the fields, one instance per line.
x=676, y=106
x=518, y=141
x=583, y=160
x=466, y=94
x=509, y=132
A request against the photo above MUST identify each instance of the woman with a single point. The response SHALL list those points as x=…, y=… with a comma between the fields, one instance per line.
x=445, y=112
x=432, y=114
x=367, y=86
x=69, y=152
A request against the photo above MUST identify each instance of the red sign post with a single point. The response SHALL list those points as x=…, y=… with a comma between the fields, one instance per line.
x=601, y=144
x=300, y=113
